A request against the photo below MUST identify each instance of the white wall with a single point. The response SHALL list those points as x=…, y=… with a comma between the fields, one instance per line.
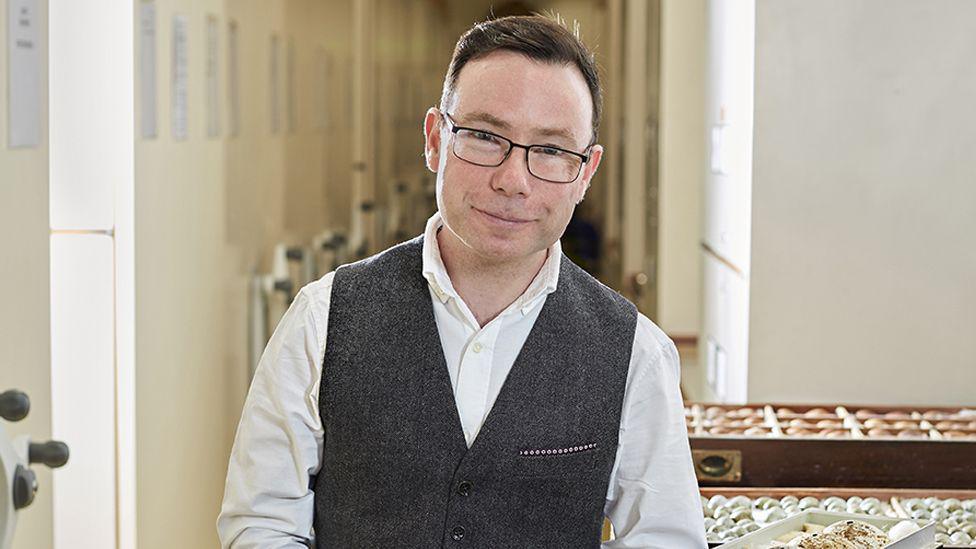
x=864, y=203
x=208, y=212
x=184, y=307
x=682, y=164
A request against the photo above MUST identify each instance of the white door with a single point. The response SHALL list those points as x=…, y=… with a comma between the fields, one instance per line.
x=91, y=135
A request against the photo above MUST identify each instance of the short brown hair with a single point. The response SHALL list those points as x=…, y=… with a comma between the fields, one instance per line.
x=535, y=36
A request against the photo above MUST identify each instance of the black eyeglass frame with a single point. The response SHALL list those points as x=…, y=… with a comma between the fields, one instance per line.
x=511, y=145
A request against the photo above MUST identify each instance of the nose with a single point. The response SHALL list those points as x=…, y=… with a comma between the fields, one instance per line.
x=512, y=177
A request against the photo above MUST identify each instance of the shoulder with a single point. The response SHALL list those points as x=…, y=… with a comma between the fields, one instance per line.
x=405, y=255
x=387, y=269
x=385, y=277
x=316, y=298
x=654, y=352
x=317, y=289
x=592, y=297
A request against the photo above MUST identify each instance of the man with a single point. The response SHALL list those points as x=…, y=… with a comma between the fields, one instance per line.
x=473, y=387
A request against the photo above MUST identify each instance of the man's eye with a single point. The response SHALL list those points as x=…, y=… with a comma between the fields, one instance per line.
x=482, y=136
x=550, y=151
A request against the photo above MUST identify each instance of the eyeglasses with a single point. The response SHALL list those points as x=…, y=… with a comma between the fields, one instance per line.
x=484, y=148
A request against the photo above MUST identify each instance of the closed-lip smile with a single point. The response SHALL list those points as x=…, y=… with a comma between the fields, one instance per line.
x=502, y=217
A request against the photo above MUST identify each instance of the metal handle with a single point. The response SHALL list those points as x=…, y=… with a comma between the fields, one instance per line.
x=718, y=465
x=715, y=466
x=284, y=286
x=294, y=254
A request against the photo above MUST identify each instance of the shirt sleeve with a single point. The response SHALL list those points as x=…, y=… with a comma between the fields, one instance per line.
x=653, y=499
x=268, y=501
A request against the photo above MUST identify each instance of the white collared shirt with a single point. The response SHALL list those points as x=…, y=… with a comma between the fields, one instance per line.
x=652, y=499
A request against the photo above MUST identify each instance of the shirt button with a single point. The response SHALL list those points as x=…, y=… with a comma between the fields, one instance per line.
x=464, y=488
x=477, y=347
x=457, y=533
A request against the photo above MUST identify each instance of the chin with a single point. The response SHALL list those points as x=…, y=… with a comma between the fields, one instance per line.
x=504, y=251
x=497, y=250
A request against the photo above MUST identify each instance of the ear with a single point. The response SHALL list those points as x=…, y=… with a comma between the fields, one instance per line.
x=589, y=170
x=432, y=138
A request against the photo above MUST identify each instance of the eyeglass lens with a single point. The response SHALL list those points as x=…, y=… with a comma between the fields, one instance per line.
x=546, y=163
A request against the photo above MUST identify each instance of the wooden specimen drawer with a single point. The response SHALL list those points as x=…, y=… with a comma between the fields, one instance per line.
x=776, y=445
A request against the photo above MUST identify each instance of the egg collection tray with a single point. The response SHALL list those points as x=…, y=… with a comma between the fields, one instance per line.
x=733, y=513
x=825, y=529
x=838, y=422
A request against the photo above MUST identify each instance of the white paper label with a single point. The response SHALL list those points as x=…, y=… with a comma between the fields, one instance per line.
x=721, y=374
x=290, y=85
x=179, y=78
x=273, y=82
x=213, y=78
x=347, y=94
x=232, y=80
x=23, y=74
x=147, y=69
x=322, y=62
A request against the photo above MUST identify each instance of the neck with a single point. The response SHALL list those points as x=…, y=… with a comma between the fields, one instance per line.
x=488, y=287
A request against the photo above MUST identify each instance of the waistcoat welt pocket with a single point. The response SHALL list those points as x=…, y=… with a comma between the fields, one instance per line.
x=557, y=460
x=543, y=452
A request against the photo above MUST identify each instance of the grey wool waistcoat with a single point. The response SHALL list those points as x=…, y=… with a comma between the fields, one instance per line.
x=396, y=471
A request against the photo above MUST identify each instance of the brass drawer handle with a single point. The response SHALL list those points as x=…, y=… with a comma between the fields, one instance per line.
x=718, y=465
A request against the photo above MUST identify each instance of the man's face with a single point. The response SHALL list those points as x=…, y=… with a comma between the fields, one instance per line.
x=504, y=213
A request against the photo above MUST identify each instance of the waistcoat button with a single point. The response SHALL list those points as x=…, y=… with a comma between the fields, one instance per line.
x=457, y=533
x=464, y=488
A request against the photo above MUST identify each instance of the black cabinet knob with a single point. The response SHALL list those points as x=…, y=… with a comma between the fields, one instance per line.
x=52, y=453
x=14, y=405
x=24, y=487
x=284, y=286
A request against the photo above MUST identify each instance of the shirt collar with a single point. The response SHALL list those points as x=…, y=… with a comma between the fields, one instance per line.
x=436, y=273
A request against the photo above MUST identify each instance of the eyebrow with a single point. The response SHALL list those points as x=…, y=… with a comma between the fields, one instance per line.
x=488, y=118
